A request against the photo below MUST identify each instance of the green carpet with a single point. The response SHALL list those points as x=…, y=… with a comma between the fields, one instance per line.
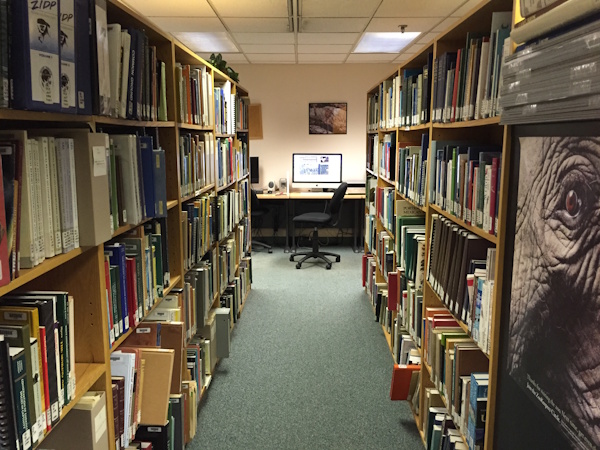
x=309, y=367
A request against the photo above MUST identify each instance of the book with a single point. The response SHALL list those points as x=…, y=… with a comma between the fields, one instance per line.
x=8, y=426
x=35, y=77
x=103, y=93
x=83, y=36
x=68, y=53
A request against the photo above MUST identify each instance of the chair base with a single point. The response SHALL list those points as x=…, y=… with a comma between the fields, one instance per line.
x=315, y=253
x=262, y=245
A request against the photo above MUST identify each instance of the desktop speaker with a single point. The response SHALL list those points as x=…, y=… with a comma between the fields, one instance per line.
x=271, y=187
x=283, y=184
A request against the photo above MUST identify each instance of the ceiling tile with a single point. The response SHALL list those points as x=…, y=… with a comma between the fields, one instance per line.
x=181, y=24
x=334, y=25
x=417, y=47
x=347, y=8
x=322, y=58
x=264, y=38
x=421, y=8
x=445, y=25
x=264, y=48
x=184, y=8
x=421, y=24
x=207, y=42
x=371, y=57
x=271, y=58
x=427, y=38
x=324, y=48
x=254, y=8
x=327, y=38
x=270, y=25
x=467, y=7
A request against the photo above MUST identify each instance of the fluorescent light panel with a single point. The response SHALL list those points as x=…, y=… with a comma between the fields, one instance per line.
x=385, y=42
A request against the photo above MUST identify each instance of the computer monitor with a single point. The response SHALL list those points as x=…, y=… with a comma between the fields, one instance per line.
x=254, y=170
x=316, y=170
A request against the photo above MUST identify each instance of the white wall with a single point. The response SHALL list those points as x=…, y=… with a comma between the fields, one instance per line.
x=284, y=92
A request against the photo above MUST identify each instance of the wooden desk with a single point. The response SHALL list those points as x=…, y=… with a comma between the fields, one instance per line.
x=290, y=212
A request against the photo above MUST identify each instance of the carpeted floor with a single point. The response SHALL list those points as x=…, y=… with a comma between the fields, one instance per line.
x=309, y=367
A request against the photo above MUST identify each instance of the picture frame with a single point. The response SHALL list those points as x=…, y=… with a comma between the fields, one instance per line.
x=327, y=118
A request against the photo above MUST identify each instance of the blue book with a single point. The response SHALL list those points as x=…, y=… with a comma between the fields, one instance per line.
x=35, y=73
x=160, y=182
x=116, y=257
x=83, y=61
x=146, y=148
x=68, y=42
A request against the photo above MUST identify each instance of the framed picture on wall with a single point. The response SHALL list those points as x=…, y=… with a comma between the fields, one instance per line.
x=327, y=118
x=551, y=296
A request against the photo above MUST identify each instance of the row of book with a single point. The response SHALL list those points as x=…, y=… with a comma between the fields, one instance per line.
x=195, y=95
x=225, y=104
x=63, y=56
x=37, y=364
x=412, y=170
x=136, y=271
x=403, y=100
x=461, y=271
x=466, y=81
x=553, y=78
x=464, y=180
x=447, y=431
x=196, y=159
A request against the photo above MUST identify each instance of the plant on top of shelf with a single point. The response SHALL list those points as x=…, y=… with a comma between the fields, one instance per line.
x=218, y=62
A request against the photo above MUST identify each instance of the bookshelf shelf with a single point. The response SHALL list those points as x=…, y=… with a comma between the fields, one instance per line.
x=103, y=120
x=470, y=123
x=27, y=275
x=81, y=272
x=461, y=40
x=192, y=127
x=219, y=135
x=461, y=324
x=476, y=230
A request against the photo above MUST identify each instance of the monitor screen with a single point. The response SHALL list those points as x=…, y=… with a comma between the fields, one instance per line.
x=317, y=168
x=254, y=179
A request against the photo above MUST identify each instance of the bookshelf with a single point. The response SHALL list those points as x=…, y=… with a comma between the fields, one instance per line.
x=411, y=184
x=81, y=271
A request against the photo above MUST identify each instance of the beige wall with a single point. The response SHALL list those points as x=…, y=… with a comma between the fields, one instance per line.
x=284, y=92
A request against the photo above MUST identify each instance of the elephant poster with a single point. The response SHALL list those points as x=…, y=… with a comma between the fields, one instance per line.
x=554, y=325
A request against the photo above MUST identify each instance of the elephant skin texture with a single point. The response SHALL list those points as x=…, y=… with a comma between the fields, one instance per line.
x=554, y=333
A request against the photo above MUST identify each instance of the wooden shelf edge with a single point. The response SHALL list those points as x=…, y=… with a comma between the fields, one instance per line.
x=27, y=275
x=197, y=193
x=103, y=120
x=190, y=126
x=172, y=204
x=404, y=197
x=18, y=114
x=369, y=171
x=470, y=123
x=388, y=181
x=463, y=325
x=476, y=230
x=228, y=185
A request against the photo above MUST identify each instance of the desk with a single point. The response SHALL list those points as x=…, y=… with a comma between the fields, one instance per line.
x=290, y=212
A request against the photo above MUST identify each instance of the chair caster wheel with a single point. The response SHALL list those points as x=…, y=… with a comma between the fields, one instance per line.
x=337, y=259
x=270, y=251
x=291, y=257
x=328, y=266
x=298, y=266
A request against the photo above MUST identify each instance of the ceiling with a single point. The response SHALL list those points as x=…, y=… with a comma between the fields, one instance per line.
x=301, y=31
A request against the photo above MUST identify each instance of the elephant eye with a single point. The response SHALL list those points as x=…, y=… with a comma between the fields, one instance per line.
x=573, y=203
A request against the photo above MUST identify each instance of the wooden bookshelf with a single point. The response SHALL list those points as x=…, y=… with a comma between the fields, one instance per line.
x=81, y=271
x=481, y=131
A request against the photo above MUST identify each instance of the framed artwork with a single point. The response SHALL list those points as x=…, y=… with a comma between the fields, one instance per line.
x=552, y=336
x=327, y=118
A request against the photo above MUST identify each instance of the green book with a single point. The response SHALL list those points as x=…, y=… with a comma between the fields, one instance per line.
x=114, y=204
x=156, y=241
x=162, y=101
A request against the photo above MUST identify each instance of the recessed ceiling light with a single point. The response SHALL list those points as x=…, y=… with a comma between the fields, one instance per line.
x=207, y=42
x=384, y=42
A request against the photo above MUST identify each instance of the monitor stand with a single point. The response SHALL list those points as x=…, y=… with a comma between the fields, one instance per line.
x=317, y=190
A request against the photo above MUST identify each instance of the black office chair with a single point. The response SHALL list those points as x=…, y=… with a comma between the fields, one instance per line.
x=320, y=219
x=256, y=213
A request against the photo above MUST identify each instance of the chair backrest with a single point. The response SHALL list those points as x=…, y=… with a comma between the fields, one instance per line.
x=254, y=202
x=335, y=204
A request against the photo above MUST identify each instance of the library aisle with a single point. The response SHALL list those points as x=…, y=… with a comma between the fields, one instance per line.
x=308, y=367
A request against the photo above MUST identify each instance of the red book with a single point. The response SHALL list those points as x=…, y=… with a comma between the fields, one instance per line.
x=455, y=87
x=444, y=321
x=132, y=301
x=364, y=269
x=43, y=350
x=393, y=290
x=493, y=206
x=401, y=378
